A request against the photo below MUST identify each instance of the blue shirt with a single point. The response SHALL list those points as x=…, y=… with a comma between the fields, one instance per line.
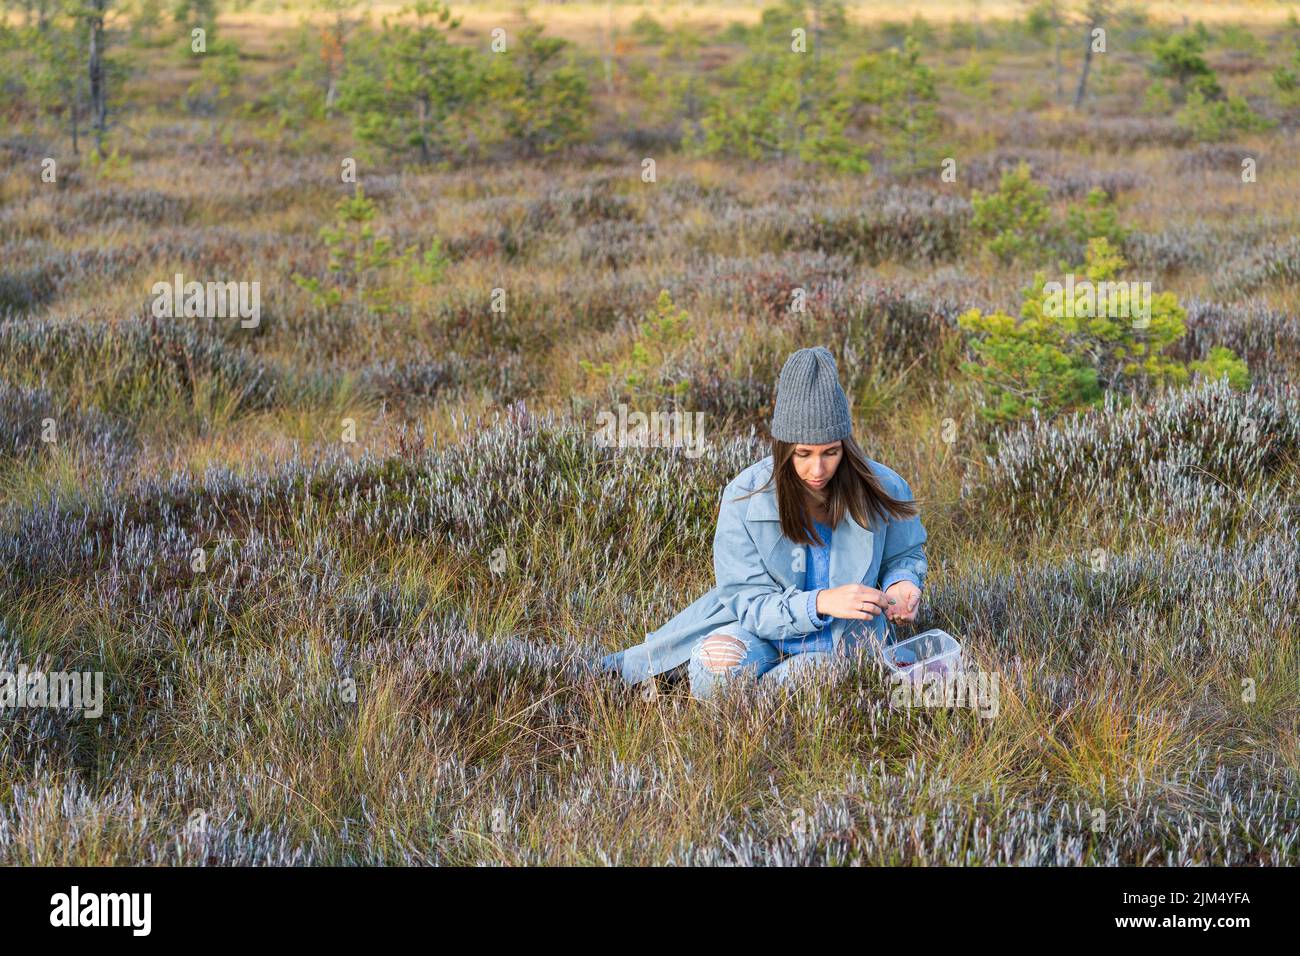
x=817, y=575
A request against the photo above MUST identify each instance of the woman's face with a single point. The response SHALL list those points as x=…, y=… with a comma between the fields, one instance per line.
x=815, y=464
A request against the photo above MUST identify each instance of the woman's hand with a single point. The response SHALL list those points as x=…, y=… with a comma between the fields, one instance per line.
x=906, y=600
x=855, y=602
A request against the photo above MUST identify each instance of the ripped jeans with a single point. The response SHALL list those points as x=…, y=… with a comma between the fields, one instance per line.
x=736, y=652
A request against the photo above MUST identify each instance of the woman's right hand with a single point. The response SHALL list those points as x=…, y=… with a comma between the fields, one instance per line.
x=855, y=602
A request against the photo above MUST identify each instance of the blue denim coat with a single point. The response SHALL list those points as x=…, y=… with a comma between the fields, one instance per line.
x=760, y=577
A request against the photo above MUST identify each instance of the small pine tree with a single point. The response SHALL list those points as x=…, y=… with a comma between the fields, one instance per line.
x=1096, y=218
x=781, y=104
x=1012, y=219
x=901, y=90
x=1286, y=82
x=671, y=87
x=363, y=265
x=1063, y=352
x=1217, y=120
x=1181, y=58
x=411, y=91
x=540, y=94
x=41, y=69
x=661, y=333
x=219, y=73
x=358, y=258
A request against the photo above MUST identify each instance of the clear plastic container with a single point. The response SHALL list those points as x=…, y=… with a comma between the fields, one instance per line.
x=930, y=652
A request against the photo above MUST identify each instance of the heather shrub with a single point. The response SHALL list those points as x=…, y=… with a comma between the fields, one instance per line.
x=897, y=223
x=24, y=413
x=551, y=220
x=609, y=245
x=903, y=223
x=1168, y=251
x=469, y=499
x=985, y=172
x=1268, y=340
x=887, y=340
x=132, y=366
x=432, y=686
x=106, y=205
x=387, y=636
x=887, y=329
x=1267, y=266
x=374, y=645
x=1217, y=157
x=1205, y=456
x=410, y=379
x=21, y=292
x=1197, y=246
x=1064, y=177
x=763, y=286
x=1101, y=135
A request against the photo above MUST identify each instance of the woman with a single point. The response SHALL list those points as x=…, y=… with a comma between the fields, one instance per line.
x=810, y=541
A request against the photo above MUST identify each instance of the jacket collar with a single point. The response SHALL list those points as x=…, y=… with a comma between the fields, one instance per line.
x=852, y=545
x=762, y=505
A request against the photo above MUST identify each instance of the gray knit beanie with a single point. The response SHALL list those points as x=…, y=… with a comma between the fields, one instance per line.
x=811, y=407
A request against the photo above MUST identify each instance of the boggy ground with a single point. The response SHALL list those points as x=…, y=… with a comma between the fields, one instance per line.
x=377, y=657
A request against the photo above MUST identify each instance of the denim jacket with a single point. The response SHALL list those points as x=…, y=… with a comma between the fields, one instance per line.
x=757, y=585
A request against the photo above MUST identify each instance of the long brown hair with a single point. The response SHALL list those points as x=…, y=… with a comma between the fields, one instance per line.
x=854, y=488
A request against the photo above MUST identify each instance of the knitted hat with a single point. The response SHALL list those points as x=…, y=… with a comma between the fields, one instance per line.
x=811, y=407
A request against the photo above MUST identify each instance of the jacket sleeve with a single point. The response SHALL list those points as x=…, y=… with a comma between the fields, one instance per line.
x=904, y=550
x=757, y=600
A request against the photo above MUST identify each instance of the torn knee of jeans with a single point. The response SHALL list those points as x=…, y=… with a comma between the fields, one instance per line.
x=721, y=652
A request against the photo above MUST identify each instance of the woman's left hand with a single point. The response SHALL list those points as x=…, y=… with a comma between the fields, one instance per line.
x=908, y=599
